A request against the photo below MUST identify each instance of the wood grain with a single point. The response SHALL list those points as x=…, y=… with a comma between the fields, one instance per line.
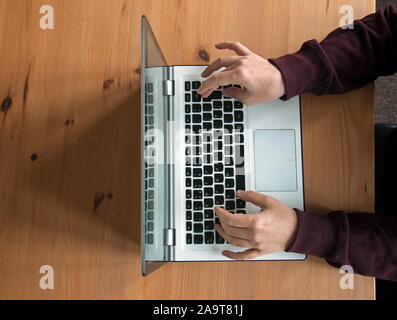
x=70, y=135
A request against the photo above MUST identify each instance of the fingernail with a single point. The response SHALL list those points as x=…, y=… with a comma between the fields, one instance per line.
x=239, y=192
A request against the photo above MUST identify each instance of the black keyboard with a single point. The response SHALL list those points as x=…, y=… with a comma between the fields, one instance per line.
x=214, y=161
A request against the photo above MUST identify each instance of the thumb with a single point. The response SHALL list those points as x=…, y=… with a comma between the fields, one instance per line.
x=236, y=93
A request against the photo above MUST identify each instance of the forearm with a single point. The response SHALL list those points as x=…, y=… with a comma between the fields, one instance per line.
x=366, y=242
x=345, y=60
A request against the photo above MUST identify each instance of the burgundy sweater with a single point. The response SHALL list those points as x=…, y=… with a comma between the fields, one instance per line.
x=346, y=60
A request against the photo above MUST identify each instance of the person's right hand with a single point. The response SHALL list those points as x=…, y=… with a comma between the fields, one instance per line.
x=260, y=80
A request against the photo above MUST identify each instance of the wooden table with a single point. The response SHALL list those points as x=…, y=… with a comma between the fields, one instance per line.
x=70, y=141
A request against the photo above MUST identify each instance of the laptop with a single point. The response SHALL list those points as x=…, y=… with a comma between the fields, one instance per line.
x=196, y=153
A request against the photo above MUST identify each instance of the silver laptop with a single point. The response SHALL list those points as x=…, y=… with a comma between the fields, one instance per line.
x=197, y=152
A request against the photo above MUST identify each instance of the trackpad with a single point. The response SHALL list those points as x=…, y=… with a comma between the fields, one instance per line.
x=275, y=160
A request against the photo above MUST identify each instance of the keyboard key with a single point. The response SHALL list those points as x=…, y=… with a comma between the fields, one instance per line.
x=218, y=238
x=188, y=194
x=207, y=107
x=227, y=106
x=229, y=194
x=238, y=116
x=218, y=146
x=197, y=205
x=217, y=104
x=188, y=226
x=197, y=172
x=187, y=118
x=196, y=107
x=218, y=178
x=228, y=118
x=188, y=151
x=196, y=96
x=187, y=97
x=207, y=126
x=208, y=214
x=208, y=192
x=198, y=239
x=240, y=204
x=197, y=194
x=198, y=216
x=188, y=238
x=196, y=129
x=238, y=127
x=238, y=105
x=209, y=237
x=188, y=182
x=208, y=170
x=240, y=182
x=196, y=118
x=208, y=203
x=229, y=183
x=198, y=227
x=187, y=108
x=208, y=181
x=197, y=183
x=229, y=172
x=218, y=167
x=217, y=114
x=219, y=189
x=229, y=205
x=187, y=85
x=207, y=116
x=196, y=85
x=219, y=200
x=188, y=204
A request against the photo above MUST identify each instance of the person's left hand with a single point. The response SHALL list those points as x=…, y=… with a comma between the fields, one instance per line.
x=271, y=230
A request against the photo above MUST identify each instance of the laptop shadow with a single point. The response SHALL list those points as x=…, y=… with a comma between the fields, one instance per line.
x=82, y=183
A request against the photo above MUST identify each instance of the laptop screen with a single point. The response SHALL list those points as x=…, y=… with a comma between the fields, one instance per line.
x=154, y=168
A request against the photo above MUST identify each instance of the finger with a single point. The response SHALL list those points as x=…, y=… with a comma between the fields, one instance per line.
x=219, y=63
x=235, y=46
x=235, y=220
x=238, y=242
x=256, y=198
x=223, y=78
x=243, y=255
x=242, y=233
x=236, y=93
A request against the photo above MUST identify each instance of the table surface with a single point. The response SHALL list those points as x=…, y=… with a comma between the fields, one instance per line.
x=70, y=141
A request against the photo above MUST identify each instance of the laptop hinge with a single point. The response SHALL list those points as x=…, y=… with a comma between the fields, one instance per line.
x=168, y=88
x=169, y=237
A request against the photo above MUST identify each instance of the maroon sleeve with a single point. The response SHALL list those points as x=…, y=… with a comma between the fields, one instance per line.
x=345, y=60
x=366, y=242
